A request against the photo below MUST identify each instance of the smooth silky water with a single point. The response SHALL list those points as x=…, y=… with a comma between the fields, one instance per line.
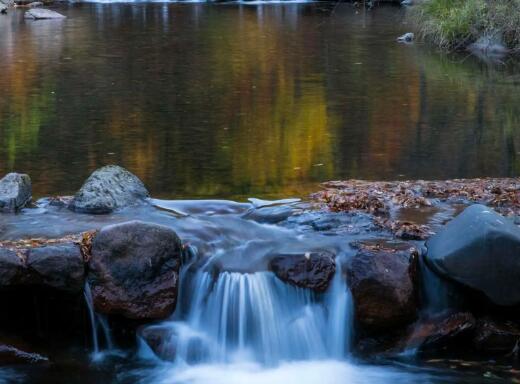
x=231, y=101
x=235, y=322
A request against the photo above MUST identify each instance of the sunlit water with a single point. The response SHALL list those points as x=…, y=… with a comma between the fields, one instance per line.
x=239, y=100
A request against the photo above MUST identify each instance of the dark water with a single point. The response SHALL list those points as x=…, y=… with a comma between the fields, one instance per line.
x=232, y=100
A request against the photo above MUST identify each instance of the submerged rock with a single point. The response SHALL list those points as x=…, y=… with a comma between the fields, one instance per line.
x=383, y=289
x=134, y=270
x=3, y=9
x=164, y=340
x=15, y=192
x=11, y=267
x=107, y=189
x=41, y=14
x=481, y=250
x=313, y=270
x=406, y=38
x=10, y=354
x=493, y=336
x=57, y=266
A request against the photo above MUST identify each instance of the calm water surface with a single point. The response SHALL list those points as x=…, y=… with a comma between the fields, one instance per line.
x=233, y=100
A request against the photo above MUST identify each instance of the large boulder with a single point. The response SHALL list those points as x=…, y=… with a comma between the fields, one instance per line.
x=58, y=266
x=134, y=270
x=479, y=249
x=312, y=270
x=15, y=192
x=383, y=288
x=41, y=14
x=11, y=267
x=107, y=189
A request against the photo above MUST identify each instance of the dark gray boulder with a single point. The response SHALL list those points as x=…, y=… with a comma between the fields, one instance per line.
x=11, y=268
x=15, y=192
x=383, y=288
x=42, y=14
x=107, y=189
x=133, y=271
x=479, y=249
x=58, y=266
x=313, y=270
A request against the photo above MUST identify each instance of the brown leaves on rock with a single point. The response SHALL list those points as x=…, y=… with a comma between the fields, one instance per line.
x=382, y=198
x=404, y=230
x=83, y=240
x=86, y=244
x=502, y=193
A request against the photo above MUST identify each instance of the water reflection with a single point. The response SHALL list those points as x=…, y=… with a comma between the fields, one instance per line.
x=234, y=100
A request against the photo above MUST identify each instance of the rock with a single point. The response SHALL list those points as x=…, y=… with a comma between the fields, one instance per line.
x=134, y=270
x=163, y=340
x=313, y=270
x=107, y=189
x=10, y=354
x=3, y=9
x=57, y=266
x=407, y=2
x=383, y=289
x=479, y=249
x=406, y=38
x=15, y=192
x=496, y=337
x=160, y=339
x=41, y=14
x=7, y=3
x=440, y=331
x=11, y=268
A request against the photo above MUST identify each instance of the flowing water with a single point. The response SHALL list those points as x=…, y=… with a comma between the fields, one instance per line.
x=233, y=101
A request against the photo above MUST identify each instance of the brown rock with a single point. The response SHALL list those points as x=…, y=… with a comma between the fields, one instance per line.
x=382, y=286
x=134, y=270
x=439, y=332
x=312, y=270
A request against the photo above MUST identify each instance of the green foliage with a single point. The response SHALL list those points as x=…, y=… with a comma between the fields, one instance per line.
x=453, y=24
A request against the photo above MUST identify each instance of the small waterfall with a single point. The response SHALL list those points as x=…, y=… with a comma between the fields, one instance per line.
x=255, y=317
x=97, y=321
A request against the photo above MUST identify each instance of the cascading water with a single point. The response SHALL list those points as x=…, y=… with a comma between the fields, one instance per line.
x=97, y=321
x=255, y=317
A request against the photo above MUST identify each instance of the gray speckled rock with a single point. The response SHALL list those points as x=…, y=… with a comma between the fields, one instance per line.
x=15, y=192
x=41, y=14
x=7, y=3
x=107, y=189
x=134, y=270
x=481, y=250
